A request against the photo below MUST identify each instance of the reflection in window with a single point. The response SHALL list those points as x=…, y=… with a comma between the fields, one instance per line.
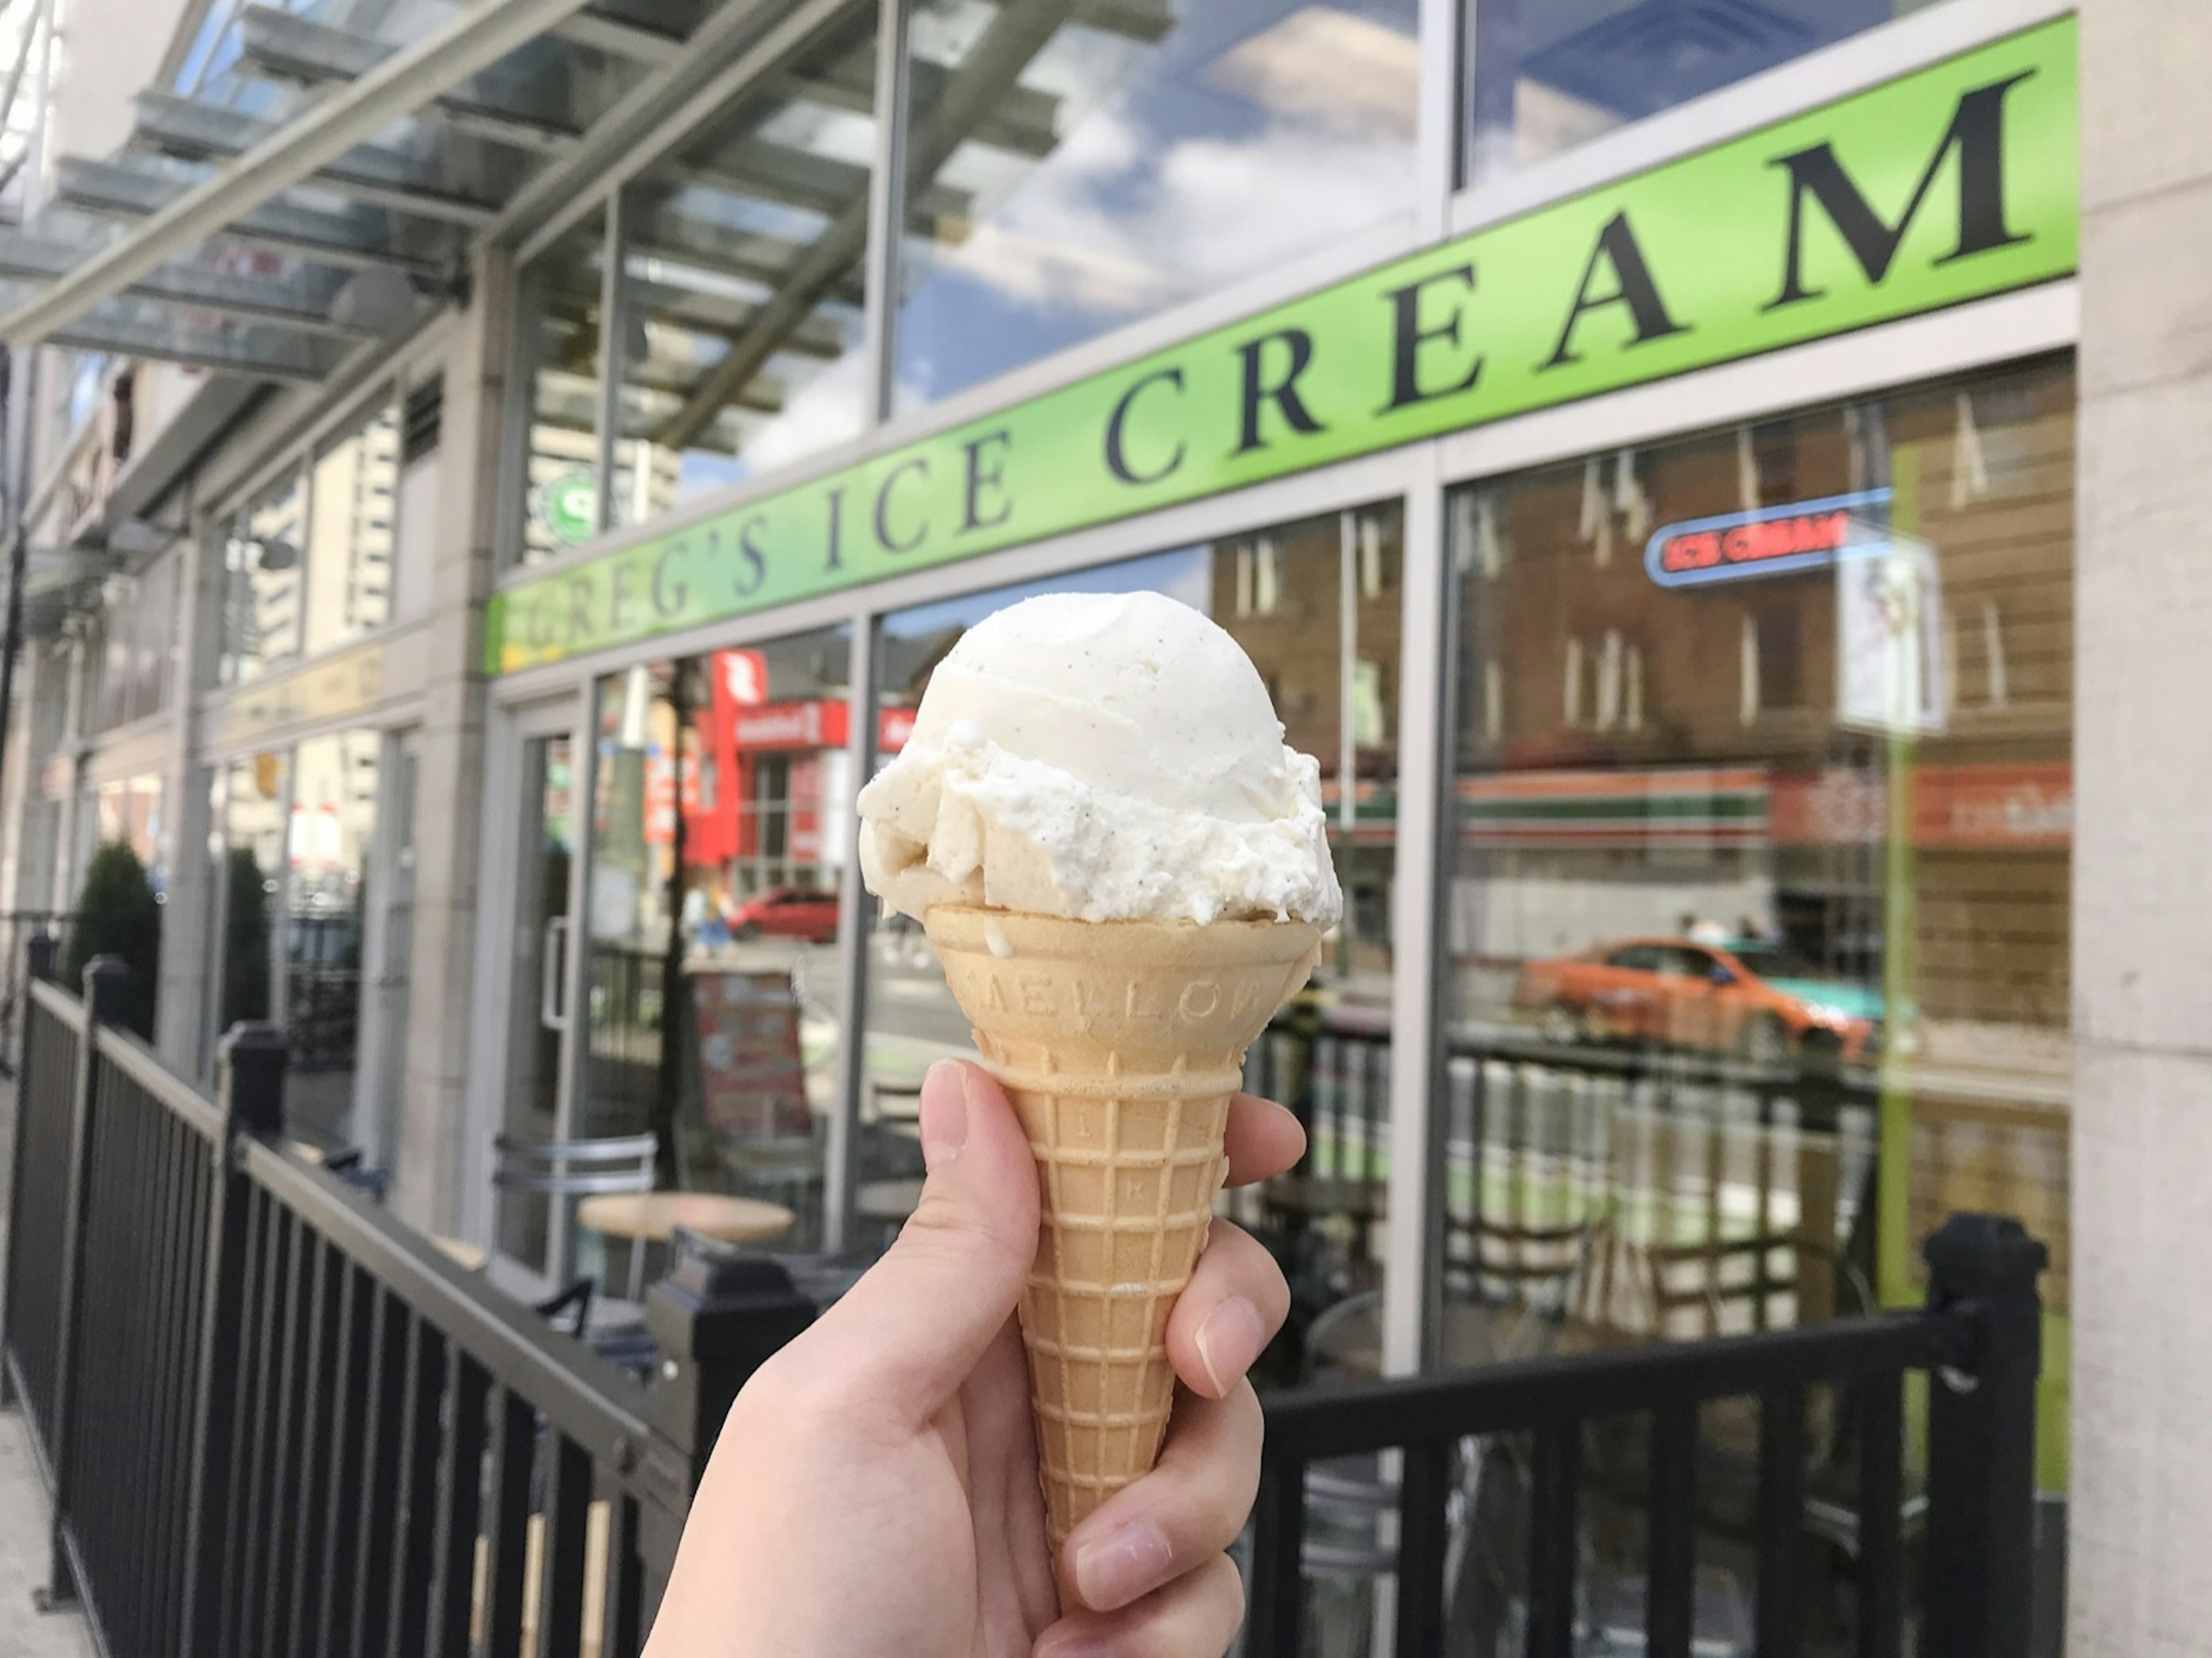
x=1548, y=78
x=249, y=804
x=1064, y=180
x=740, y=345
x=1687, y=947
x=558, y=326
x=1335, y=681
x=721, y=821
x=1694, y=959
x=138, y=630
x=323, y=925
x=352, y=508
x=130, y=811
x=262, y=582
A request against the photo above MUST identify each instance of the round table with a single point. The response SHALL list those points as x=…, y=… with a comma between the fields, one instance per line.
x=651, y=1216
x=462, y=1254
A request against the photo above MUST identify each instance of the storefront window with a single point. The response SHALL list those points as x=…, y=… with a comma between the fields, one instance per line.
x=332, y=823
x=354, y=491
x=721, y=823
x=138, y=659
x=558, y=326
x=1757, y=919
x=741, y=345
x=1065, y=179
x=262, y=581
x=1281, y=593
x=1545, y=78
x=130, y=811
x=249, y=806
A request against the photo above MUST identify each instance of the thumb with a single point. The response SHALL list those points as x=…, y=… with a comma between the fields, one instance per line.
x=907, y=1334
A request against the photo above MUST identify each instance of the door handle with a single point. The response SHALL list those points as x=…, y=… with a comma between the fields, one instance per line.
x=551, y=1012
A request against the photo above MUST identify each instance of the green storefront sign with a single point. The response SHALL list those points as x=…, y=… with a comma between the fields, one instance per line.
x=1949, y=185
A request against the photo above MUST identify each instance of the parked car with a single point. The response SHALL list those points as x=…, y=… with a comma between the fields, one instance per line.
x=787, y=913
x=1742, y=997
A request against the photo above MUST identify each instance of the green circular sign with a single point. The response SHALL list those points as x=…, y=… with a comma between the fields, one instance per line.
x=567, y=505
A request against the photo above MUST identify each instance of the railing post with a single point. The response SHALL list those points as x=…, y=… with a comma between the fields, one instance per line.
x=1981, y=1441
x=38, y=963
x=250, y=1094
x=715, y=1320
x=106, y=992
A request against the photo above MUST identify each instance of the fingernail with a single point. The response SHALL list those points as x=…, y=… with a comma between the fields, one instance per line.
x=943, y=1114
x=1129, y=1561
x=1229, y=1341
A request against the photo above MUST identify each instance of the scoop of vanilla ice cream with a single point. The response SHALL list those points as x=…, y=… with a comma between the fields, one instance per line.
x=1102, y=757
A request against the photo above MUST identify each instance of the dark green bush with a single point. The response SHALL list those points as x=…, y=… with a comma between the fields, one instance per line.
x=117, y=915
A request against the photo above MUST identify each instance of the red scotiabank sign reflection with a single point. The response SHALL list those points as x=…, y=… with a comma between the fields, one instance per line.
x=2013, y=806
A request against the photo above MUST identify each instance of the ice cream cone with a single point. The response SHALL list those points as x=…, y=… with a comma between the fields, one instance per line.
x=1121, y=1044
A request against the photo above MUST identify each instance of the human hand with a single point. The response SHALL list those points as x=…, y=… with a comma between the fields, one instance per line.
x=874, y=1490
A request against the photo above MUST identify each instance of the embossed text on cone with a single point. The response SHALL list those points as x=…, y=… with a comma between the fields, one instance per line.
x=1121, y=1044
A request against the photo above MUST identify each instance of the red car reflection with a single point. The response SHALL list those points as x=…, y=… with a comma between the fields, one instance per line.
x=1748, y=998
x=787, y=913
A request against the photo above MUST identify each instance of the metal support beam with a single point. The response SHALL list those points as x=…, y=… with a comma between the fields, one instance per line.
x=379, y=178
x=132, y=189
x=497, y=108
x=478, y=37
x=1021, y=29
x=302, y=302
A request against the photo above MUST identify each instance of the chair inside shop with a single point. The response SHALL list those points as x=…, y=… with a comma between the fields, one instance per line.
x=562, y=1172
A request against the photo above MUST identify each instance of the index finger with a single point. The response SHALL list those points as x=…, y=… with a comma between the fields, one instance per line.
x=1263, y=1140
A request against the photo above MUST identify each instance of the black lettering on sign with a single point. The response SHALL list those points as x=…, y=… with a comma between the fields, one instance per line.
x=1117, y=454
x=618, y=597
x=1976, y=132
x=983, y=475
x=917, y=465
x=753, y=564
x=670, y=590
x=579, y=608
x=1283, y=393
x=836, y=529
x=1407, y=337
x=1632, y=286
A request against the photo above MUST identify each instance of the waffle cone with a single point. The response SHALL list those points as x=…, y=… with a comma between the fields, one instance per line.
x=1121, y=1044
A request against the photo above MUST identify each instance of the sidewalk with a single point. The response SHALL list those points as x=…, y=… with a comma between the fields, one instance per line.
x=24, y=1631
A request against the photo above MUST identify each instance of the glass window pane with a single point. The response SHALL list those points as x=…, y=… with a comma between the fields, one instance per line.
x=130, y=811
x=1762, y=823
x=741, y=345
x=352, y=496
x=250, y=818
x=333, y=820
x=558, y=326
x=1547, y=74
x=722, y=818
x=261, y=587
x=1067, y=180
x=1328, y=1055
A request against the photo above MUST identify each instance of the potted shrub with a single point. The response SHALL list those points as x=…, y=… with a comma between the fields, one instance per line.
x=117, y=915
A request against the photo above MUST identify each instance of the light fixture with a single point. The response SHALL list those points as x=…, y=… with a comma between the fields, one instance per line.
x=271, y=557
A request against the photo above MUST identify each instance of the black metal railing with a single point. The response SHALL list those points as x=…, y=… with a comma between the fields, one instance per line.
x=22, y=931
x=1545, y=1421
x=275, y=1422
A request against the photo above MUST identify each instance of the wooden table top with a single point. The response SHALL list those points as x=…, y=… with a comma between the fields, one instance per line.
x=462, y=1253
x=654, y=1215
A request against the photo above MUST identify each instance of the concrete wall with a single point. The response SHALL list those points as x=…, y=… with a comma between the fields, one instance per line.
x=435, y=1161
x=2143, y=903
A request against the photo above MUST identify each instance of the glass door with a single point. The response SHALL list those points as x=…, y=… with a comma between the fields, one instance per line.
x=534, y=1102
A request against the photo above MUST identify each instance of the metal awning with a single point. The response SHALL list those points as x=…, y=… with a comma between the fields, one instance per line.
x=325, y=187
x=231, y=230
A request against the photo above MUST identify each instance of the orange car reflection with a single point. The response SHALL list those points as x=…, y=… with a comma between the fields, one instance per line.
x=1745, y=998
